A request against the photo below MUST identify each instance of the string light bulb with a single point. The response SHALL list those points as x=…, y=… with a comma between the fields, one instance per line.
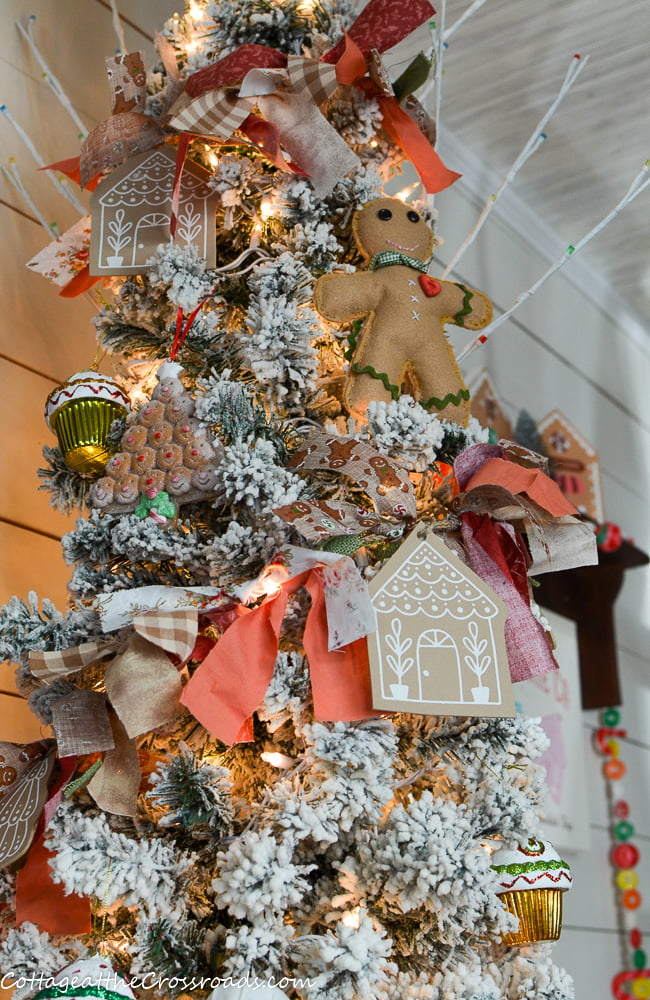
x=195, y=10
x=266, y=209
x=406, y=192
x=352, y=918
x=276, y=759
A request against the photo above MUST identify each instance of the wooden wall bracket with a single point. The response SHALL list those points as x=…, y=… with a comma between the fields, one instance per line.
x=587, y=595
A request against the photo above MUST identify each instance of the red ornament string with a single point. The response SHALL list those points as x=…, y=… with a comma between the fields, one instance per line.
x=624, y=857
x=182, y=331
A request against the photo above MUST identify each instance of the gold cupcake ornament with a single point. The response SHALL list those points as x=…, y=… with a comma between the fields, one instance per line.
x=531, y=882
x=80, y=412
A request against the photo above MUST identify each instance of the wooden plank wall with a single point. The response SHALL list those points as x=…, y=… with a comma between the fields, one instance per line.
x=44, y=338
x=562, y=350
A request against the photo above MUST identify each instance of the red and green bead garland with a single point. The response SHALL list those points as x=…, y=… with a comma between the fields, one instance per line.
x=624, y=857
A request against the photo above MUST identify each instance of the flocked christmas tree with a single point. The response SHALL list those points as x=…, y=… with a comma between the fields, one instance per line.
x=229, y=797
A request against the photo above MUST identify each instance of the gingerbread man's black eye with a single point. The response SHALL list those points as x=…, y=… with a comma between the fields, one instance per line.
x=384, y=214
x=412, y=216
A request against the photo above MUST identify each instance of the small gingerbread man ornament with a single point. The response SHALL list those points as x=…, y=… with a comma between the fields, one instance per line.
x=402, y=346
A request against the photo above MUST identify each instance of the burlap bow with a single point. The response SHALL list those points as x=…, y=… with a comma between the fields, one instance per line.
x=143, y=691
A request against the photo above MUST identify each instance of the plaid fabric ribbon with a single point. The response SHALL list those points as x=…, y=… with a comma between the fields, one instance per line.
x=174, y=631
x=54, y=664
x=221, y=110
x=387, y=257
x=288, y=100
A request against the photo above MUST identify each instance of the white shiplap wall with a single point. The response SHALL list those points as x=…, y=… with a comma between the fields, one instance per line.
x=563, y=349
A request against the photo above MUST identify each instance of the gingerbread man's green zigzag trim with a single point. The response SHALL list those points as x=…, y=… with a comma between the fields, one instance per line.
x=353, y=339
x=468, y=295
x=447, y=400
x=440, y=404
x=382, y=376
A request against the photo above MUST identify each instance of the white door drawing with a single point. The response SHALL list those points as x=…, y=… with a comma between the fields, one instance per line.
x=439, y=667
x=151, y=230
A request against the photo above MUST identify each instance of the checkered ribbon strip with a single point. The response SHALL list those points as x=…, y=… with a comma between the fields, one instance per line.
x=51, y=665
x=219, y=112
x=387, y=257
x=317, y=78
x=174, y=631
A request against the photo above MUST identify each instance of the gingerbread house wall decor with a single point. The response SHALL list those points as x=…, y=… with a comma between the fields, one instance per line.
x=574, y=464
x=486, y=406
x=131, y=212
x=439, y=647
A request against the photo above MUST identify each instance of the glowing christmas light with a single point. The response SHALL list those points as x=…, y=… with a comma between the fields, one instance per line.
x=266, y=209
x=195, y=10
x=352, y=918
x=276, y=759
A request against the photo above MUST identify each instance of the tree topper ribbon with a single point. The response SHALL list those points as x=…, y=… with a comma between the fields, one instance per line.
x=288, y=91
x=288, y=97
x=232, y=680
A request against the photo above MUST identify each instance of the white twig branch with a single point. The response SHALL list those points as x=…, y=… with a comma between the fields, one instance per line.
x=50, y=79
x=639, y=184
x=61, y=185
x=473, y=7
x=536, y=139
x=117, y=24
x=12, y=174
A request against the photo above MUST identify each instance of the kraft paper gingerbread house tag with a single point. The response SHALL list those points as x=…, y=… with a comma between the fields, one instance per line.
x=439, y=647
x=574, y=464
x=131, y=211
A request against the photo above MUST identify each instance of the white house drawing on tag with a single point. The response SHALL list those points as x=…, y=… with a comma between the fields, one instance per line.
x=439, y=647
x=131, y=212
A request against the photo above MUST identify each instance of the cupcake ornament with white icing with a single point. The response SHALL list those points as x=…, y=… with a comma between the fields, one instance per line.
x=81, y=412
x=531, y=882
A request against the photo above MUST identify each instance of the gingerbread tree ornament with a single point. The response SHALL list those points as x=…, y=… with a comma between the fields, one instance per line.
x=165, y=457
x=402, y=345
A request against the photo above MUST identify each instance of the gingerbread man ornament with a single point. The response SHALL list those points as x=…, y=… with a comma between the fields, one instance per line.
x=402, y=346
